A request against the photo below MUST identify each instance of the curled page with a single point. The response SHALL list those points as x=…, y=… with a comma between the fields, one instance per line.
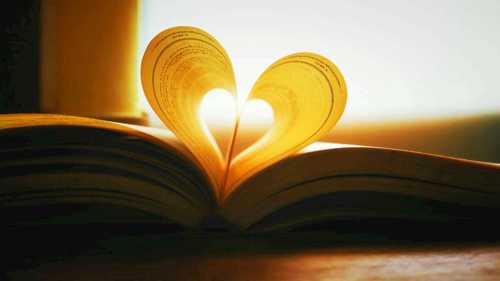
x=307, y=94
x=179, y=67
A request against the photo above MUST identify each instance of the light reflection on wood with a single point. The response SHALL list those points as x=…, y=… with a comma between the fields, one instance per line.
x=469, y=263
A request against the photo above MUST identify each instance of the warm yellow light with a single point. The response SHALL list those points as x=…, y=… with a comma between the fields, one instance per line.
x=218, y=112
x=218, y=108
x=256, y=113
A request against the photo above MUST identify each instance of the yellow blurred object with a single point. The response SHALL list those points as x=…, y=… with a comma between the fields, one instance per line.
x=88, y=59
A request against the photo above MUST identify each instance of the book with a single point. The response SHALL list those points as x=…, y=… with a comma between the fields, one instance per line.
x=287, y=179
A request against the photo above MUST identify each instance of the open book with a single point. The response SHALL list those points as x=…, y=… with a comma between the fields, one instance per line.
x=181, y=176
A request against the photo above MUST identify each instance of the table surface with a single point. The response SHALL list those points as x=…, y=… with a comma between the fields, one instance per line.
x=221, y=256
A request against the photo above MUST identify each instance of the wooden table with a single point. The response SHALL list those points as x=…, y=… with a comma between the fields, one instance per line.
x=223, y=256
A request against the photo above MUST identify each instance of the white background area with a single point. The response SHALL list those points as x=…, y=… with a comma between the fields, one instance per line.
x=400, y=59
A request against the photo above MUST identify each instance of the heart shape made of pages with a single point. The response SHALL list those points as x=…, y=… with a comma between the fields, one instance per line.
x=306, y=92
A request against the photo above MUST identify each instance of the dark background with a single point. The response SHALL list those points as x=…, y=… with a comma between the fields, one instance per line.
x=19, y=56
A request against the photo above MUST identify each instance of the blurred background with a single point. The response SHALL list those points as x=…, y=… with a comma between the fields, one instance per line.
x=420, y=75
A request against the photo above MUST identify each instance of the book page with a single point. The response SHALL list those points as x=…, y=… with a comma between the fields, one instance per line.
x=161, y=137
x=179, y=67
x=325, y=169
x=307, y=94
x=53, y=159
